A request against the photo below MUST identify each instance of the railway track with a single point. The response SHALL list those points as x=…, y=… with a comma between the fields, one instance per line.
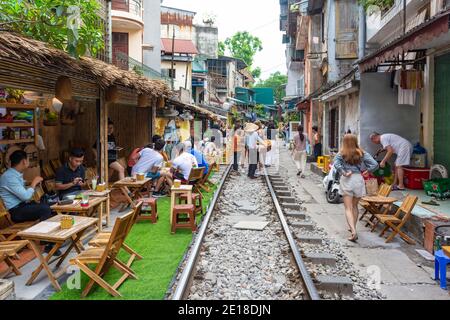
x=228, y=262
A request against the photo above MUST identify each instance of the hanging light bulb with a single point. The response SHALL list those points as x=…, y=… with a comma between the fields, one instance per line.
x=57, y=105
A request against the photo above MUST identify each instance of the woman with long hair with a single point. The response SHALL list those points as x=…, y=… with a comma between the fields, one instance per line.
x=349, y=162
x=299, y=152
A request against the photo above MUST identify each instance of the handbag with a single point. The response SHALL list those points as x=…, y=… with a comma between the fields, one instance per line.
x=372, y=186
x=297, y=156
x=50, y=199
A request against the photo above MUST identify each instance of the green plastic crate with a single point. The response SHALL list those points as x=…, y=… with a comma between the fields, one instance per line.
x=439, y=188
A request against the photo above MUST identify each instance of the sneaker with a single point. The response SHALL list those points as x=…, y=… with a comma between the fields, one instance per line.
x=299, y=173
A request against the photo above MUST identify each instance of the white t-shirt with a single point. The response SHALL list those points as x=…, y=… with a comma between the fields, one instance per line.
x=210, y=148
x=148, y=159
x=184, y=162
x=397, y=143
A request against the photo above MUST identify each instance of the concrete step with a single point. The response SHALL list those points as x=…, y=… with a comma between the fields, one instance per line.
x=335, y=284
x=320, y=258
x=305, y=225
x=298, y=215
x=309, y=239
x=290, y=206
x=287, y=199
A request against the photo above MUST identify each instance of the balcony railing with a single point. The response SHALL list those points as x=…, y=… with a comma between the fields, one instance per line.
x=132, y=6
x=123, y=61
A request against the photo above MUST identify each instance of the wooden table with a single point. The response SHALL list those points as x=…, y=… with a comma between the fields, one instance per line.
x=106, y=193
x=95, y=204
x=129, y=185
x=376, y=203
x=57, y=236
x=183, y=189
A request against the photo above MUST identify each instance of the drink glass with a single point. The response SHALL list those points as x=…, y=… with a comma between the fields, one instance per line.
x=94, y=184
x=84, y=200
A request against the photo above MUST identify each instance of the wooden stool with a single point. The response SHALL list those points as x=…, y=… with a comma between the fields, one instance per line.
x=149, y=210
x=183, y=222
x=197, y=200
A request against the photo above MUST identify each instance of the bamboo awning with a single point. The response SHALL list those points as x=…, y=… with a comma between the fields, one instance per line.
x=196, y=109
x=18, y=48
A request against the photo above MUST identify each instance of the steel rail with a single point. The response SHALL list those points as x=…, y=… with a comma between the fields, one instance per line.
x=308, y=284
x=181, y=290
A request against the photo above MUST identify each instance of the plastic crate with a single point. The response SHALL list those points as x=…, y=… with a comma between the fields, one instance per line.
x=383, y=172
x=439, y=188
x=414, y=177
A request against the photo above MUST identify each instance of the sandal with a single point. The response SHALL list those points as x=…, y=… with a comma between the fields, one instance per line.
x=396, y=188
x=353, y=238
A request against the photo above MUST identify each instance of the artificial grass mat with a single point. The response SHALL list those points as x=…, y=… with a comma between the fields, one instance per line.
x=161, y=252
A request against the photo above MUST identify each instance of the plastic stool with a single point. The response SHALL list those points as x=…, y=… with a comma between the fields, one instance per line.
x=440, y=267
x=320, y=161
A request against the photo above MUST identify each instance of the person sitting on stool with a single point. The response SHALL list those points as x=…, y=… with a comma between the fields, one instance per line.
x=17, y=198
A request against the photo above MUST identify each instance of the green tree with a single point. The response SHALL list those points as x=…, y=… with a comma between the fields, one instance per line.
x=244, y=46
x=275, y=81
x=70, y=25
x=221, y=50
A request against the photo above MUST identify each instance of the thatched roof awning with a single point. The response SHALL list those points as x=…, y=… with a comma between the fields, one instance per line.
x=196, y=109
x=38, y=53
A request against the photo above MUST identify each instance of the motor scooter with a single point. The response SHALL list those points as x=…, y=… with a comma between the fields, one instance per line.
x=331, y=185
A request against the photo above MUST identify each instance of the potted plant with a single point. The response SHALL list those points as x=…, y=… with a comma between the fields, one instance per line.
x=14, y=95
x=50, y=118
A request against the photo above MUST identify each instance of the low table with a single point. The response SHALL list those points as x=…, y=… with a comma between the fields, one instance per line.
x=133, y=186
x=183, y=189
x=57, y=236
x=376, y=203
x=95, y=204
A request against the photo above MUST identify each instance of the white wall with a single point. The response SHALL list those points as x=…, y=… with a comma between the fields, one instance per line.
x=180, y=73
x=152, y=34
x=381, y=112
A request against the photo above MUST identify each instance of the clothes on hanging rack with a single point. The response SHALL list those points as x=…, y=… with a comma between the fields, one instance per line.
x=411, y=79
x=405, y=96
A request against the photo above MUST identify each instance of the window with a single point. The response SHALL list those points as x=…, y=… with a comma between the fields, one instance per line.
x=168, y=73
x=301, y=86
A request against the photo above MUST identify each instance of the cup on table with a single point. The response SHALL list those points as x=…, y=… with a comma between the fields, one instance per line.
x=140, y=177
x=177, y=183
x=94, y=184
x=84, y=200
x=101, y=187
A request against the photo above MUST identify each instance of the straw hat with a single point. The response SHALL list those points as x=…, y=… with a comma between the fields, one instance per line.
x=251, y=127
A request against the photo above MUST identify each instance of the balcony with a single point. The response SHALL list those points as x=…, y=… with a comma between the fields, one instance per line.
x=124, y=62
x=127, y=14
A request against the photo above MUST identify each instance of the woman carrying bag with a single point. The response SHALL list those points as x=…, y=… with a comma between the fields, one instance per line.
x=300, y=151
x=348, y=162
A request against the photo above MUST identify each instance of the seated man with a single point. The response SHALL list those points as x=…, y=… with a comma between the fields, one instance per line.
x=150, y=162
x=184, y=162
x=211, y=151
x=202, y=163
x=70, y=178
x=17, y=198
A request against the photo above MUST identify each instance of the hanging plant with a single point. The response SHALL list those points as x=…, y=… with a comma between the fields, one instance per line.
x=383, y=5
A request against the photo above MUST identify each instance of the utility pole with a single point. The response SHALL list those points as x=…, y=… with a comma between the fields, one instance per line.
x=173, y=56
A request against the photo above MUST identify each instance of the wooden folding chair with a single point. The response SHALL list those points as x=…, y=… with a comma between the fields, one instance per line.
x=102, y=239
x=8, y=250
x=195, y=177
x=48, y=171
x=383, y=191
x=106, y=257
x=204, y=183
x=55, y=164
x=38, y=193
x=50, y=185
x=9, y=232
x=396, y=221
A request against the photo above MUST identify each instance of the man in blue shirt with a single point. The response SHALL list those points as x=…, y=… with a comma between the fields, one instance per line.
x=70, y=178
x=198, y=155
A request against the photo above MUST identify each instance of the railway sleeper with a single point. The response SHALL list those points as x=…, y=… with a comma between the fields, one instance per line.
x=335, y=284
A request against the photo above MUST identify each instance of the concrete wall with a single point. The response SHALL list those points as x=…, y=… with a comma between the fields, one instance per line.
x=380, y=111
x=351, y=113
x=293, y=76
x=152, y=33
x=206, y=40
x=181, y=32
x=180, y=73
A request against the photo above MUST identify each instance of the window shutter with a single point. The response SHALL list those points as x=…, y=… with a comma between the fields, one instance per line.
x=346, y=29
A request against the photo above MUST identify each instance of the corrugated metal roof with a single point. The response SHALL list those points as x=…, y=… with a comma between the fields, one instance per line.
x=180, y=46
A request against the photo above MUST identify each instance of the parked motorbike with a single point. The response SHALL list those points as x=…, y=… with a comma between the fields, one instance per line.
x=331, y=185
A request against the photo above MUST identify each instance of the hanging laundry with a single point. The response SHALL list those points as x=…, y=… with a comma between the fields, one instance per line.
x=405, y=96
x=411, y=79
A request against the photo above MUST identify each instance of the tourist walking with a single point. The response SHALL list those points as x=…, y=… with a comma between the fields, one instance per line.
x=349, y=162
x=299, y=151
x=253, y=138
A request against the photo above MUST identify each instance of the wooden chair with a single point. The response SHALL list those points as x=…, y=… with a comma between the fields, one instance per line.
x=55, y=164
x=91, y=173
x=195, y=177
x=205, y=184
x=50, y=185
x=106, y=257
x=48, y=171
x=396, y=221
x=383, y=191
x=9, y=232
x=38, y=193
x=102, y=239
x=9, y=250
